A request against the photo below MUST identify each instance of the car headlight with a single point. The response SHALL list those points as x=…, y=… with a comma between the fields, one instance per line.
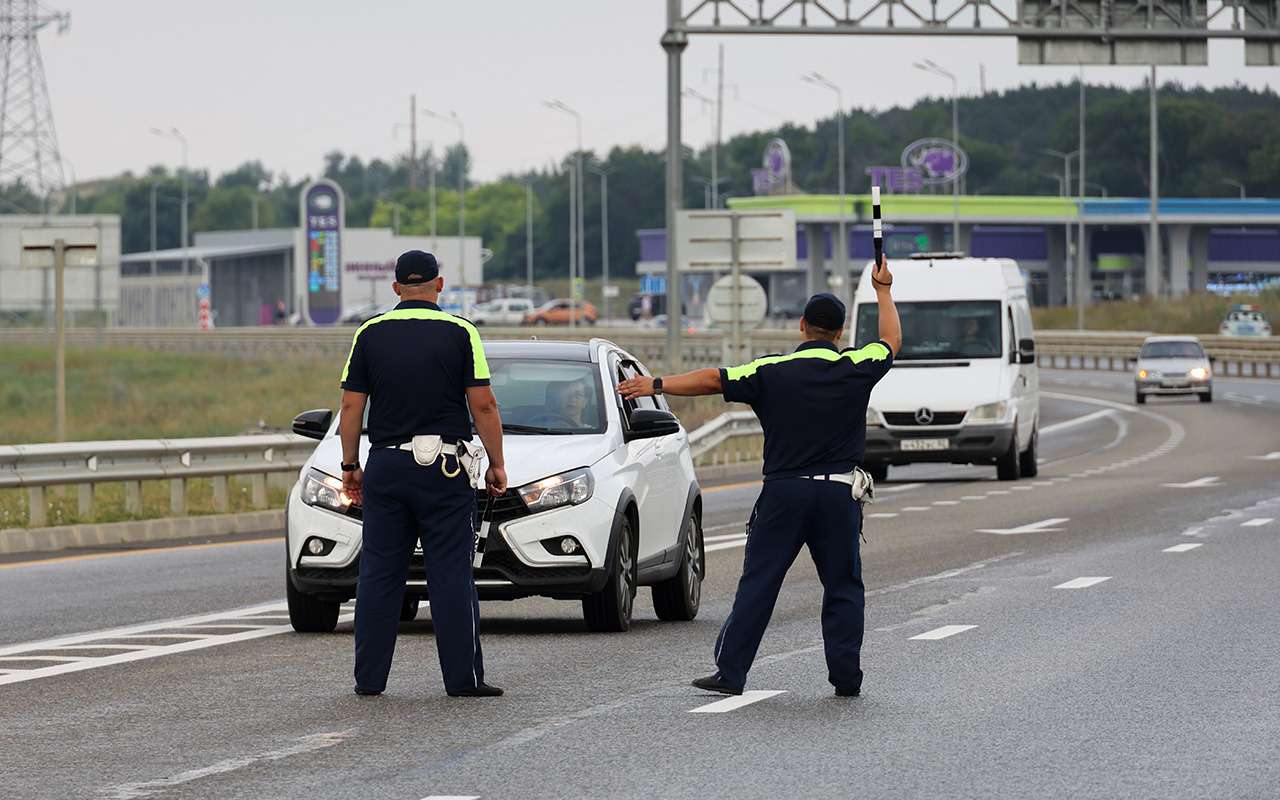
x=325, y=491
x=566, y=489
x=1198, y=373
x=990, y=412
x=873, y=418
x=1142, y=373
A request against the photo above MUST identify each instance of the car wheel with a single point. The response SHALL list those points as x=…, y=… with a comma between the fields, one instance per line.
x=609, y=610
x=308, y=613
x=1207, y=397
x=1027, y=461
x=878, y=472
x=1139, y=398
x=1007, y=464
x=677, y=599
x=408, y=609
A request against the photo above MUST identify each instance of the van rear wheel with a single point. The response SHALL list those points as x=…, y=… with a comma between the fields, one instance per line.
x=1027, y=461
x=1007, y=465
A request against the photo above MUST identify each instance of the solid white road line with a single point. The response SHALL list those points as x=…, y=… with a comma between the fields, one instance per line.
x=1043, y=526
x=307, y=744
x=943, y=632
x=1182, y=548
x=738, y=542
x=1207, y=482
x=1257, y=523
x=1081, y=583
x=1074, y=421
x=882, y=515
x=731, y=703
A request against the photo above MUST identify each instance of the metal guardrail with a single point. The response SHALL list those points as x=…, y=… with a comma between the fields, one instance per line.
x=1066, y=349
x=35, y=467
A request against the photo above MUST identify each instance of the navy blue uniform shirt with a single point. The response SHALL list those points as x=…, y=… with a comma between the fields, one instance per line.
x=812, y=404
x=415, y=362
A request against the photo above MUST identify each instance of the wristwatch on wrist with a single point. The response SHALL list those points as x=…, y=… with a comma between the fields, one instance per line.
x=657, y=385
x=351, y=467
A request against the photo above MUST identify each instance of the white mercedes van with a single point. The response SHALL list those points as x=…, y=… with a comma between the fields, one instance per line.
x=965, y=388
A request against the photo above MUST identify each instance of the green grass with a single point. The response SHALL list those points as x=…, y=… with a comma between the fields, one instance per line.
x=1195, y=314
x=143, y=394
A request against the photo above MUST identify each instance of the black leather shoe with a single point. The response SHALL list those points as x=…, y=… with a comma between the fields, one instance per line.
x=367, y=692
x=844, y=691
x=483, y=690
x=714, y=683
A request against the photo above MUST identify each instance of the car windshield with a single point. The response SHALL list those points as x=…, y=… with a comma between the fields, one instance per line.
x=544, y=397
x=1171, y=350
x=548, y=397
x=946, y=329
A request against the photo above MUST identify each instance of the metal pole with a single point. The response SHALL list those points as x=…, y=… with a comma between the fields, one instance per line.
x=462, y=215
x=674, y=42
x=582, y=236
x=528, y=239
x=842, y=247
x=253, y=205
x=155, y=287
x=715, y=142
x=1082, y=244
x=735, y=327
x=604, y=240
x=955, y=183
x=573, y=243
x=431, y=166
x=412, y=142
x=1153, y=228
x=60, y=347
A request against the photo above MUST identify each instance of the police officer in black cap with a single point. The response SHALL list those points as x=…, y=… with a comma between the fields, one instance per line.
x=425, y=375
x=812, y=405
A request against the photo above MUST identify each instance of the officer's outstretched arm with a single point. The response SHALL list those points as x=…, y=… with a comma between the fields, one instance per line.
x=687, y=384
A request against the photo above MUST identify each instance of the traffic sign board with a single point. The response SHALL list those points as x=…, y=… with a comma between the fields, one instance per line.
x=751, y=302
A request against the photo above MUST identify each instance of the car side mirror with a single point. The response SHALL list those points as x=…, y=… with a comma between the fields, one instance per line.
x=650, y=423
x=313, y=424
x=1026, y=351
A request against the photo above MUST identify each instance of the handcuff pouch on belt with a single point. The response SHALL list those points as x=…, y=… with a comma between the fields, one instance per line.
x=467, y=455
x=864, y=488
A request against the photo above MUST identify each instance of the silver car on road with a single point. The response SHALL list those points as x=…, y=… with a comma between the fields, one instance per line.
x=1172, y=365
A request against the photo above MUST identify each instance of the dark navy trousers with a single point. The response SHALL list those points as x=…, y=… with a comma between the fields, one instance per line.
x=405, y=503
x=789, y=513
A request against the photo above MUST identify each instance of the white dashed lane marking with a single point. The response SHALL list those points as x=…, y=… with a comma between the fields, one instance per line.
x=1043, y=526
x=882, y=515
x=1256, y=523
x=916, y=508
x=731, y=703
x=1207, y=482
x=1082, y=583
x=1182, y=548
x=943, y=632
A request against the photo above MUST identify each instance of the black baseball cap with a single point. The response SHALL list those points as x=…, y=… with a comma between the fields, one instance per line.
x=415, y=266
x=824, y=310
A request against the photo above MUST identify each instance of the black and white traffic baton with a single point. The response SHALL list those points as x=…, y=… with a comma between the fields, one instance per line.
x=482, y=530
x=877, y=232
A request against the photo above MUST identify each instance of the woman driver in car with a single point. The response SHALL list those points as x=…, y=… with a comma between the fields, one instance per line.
x=567, y=400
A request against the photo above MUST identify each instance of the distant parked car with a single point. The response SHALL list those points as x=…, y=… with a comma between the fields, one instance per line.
x=503, y=311
x=1172, y=365
x=560, y=311
x=363, y=314
x=1245, y=320
x=689, y=324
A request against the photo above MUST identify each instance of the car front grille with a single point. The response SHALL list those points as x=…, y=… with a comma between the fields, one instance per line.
x=908, y=418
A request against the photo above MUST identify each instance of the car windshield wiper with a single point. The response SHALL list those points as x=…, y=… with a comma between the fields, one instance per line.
x=509, y=427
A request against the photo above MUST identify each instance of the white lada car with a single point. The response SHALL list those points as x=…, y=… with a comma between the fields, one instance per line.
x=603, y=497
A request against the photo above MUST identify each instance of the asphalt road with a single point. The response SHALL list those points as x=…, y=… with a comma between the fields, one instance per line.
x=1037, y=639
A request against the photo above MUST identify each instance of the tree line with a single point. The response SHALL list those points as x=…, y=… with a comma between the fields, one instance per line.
x=1208, y=137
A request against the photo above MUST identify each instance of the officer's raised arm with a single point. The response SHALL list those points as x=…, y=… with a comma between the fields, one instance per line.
x=686, y=384
x=890, y=326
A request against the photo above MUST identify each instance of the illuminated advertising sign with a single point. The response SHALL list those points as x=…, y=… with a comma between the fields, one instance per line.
x=925, y=162
x=322, y=221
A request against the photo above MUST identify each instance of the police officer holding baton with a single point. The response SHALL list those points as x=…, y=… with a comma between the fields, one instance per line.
x=425, y=374
x=812, y=405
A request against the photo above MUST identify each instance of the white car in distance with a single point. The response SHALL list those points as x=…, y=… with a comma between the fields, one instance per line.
x=602, y=498
x=507, y=311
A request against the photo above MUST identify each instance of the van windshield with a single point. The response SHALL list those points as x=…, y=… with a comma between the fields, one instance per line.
x=939, y=330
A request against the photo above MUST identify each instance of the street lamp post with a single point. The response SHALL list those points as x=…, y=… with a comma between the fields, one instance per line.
x=528, y=239
x=604, y=238
x=842, y=249
x=578, y=246
x=1237, y=184
x=929, y=66
x=1064, y=189
x=174, y=133
x=452, y=117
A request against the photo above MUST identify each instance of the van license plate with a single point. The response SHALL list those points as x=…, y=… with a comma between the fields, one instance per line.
x=925, y=444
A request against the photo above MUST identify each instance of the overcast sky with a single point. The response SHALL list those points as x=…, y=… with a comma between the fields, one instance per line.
x=286, y=81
